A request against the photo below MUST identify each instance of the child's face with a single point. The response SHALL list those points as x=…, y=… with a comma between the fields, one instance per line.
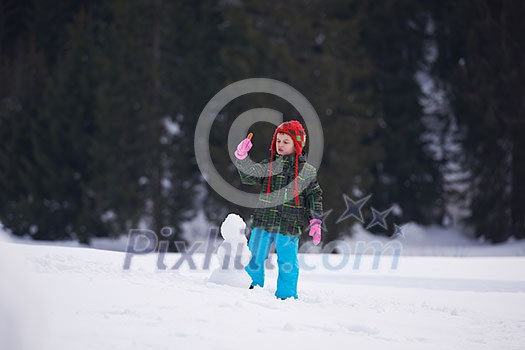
x=284, y=145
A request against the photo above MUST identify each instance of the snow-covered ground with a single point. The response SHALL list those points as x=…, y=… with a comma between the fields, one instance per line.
x=63, y=298
x=420, y=240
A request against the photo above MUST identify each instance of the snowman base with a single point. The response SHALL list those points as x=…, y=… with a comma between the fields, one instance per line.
x=239, y=279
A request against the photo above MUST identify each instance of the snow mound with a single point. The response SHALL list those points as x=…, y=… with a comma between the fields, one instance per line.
x=418, y=240
x=20, y=307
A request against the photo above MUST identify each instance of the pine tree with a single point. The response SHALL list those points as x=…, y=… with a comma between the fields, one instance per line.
x=154, y=76
x=394, y=36
x=23, y=78
x=125, y=150
x=56, y=176
x=481, y=65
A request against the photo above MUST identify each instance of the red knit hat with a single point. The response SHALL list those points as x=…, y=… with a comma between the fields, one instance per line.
x=295, y=130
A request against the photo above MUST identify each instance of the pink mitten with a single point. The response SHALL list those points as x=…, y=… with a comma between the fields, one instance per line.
x=243, y=148
x=315, y=230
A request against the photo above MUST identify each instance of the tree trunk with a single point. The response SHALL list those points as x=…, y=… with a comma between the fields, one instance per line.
x=158, y=202
x=518, y=182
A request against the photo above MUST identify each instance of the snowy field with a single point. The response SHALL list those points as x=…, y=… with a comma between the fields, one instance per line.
x=64, y=298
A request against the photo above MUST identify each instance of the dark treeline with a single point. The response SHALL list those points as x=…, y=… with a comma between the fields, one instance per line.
x=422, y=105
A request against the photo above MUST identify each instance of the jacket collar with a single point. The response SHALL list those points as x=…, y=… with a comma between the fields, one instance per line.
x=290, y=158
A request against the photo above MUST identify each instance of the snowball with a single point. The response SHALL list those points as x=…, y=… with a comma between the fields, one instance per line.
x=233, y=228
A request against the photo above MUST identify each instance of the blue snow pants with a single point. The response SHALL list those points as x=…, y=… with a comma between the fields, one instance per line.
x=287, y=248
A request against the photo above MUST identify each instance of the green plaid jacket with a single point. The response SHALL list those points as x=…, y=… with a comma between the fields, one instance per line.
x=277, y=212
